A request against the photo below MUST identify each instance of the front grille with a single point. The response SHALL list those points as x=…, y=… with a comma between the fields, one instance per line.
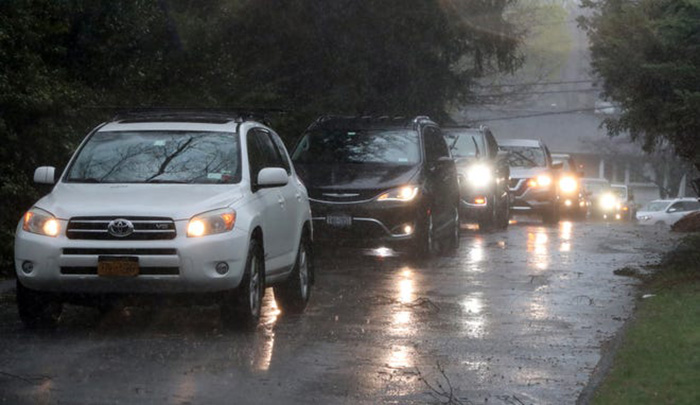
x=518, y=186
x=143, y=271
x=130, y=252
x=344, y=196
x=144, y=228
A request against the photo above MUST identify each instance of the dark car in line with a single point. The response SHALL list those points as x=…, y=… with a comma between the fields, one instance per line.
x=483, y=174
x=533, y=178
x=573, y=202
x=380, y=183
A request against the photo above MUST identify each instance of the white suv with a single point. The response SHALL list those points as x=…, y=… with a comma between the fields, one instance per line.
x=163, y=203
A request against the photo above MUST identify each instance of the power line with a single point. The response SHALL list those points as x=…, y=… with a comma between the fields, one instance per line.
x=536, y=83
x=527, y=93
x=535, y=115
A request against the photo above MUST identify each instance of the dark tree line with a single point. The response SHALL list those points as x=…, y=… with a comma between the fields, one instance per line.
x=65, y=66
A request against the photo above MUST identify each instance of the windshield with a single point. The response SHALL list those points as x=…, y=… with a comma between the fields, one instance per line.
x=524, y=156
x=596, y=187
x=158, y=157
x=655, y=206
x=362, y=146
x=465, y=144
x=620, y=192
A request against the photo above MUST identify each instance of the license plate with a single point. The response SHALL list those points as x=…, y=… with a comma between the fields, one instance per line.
x=339, y=220
x=118, y=266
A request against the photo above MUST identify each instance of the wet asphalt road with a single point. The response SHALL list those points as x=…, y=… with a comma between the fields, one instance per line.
x=513, y=317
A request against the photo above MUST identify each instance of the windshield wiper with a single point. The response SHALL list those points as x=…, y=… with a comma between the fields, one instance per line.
x=84, y=180
x=167, y=181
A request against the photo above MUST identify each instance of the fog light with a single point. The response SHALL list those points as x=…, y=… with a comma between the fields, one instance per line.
x=408, y=229
x=480, y=200
x=222, y=268
x=567, y=203
x=617, y=216
x=27, y=267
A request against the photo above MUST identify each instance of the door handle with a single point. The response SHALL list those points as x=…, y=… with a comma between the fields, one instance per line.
x=298, y=196
x=280, y=200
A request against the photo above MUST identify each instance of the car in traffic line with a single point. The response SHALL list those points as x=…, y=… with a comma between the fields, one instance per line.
x=380, y=183
x=625, y=198
x=483, y=176
x=572, y=197
x=665, y=213
x=533, y=178
x=169, y=202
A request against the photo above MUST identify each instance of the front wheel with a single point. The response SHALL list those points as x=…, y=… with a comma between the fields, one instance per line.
x=38, y=309
x=242, y=306
x=551, y=217
x=425, y=239
x=453, y=236
x=294, y=294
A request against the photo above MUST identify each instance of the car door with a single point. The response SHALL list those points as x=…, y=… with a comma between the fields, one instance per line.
x=277, y=225
x=675, y=212
x=441, y=176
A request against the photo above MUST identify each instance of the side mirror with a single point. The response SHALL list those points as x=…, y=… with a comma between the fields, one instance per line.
x=45, y=175
x=557, y=165
x=272, y=177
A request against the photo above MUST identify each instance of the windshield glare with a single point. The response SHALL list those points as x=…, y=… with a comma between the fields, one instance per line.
x=465, y=144
x=400, y=147
x=158, y=157
x=524, y=156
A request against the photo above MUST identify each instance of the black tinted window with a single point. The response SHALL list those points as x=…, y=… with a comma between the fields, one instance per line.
x=262, y=152
x=435, y=146
x=359, y=146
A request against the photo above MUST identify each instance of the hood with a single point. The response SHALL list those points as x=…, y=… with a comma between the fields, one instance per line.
x=527, y=172
x=176, y=201
x=361, y=179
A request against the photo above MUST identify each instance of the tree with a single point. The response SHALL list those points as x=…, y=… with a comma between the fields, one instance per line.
x=648, y=54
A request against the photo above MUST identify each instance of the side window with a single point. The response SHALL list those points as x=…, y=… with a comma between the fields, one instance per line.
x=262, y=152
x=435, y=146
x=493, y=146
x=282, y=151
x=676, y=207
x=691, y=205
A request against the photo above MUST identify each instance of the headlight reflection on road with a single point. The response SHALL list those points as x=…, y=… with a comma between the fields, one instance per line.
x=476, y=255
x=402, y=316
x=537, y=246
x=265, y=348
x=565, y=235
x=474, y=321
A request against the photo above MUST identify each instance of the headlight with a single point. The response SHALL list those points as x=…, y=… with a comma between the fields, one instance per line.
x=41, y=222
x=212, y=222
x=541, y=181
x=479, y=175
x=568, y=184
x=405, y=193
x=608, y=201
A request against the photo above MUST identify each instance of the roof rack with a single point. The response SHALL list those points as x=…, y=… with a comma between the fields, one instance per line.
x=207, y=115
x=368, y=121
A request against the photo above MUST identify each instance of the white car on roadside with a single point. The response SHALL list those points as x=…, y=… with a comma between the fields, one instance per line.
x=666, y=212
x=205, y=204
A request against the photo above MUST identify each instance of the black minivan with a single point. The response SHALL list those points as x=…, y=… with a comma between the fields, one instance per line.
x=387, y=184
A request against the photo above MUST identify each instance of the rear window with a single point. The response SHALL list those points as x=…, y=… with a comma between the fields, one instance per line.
x=524, y=156
x=465, y=144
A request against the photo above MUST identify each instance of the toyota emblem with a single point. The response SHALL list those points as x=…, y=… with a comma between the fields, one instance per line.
x=120, y=228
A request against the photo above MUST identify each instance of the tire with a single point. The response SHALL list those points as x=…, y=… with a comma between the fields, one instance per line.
x=504, y=217
x=241, y=307
x=425, y=241
x=293, y=296
x=38, y=309
x=551, y=217
x=488, y=220
x=452, y=238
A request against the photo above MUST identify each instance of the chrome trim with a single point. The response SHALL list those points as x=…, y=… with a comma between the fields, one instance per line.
x=386, y=230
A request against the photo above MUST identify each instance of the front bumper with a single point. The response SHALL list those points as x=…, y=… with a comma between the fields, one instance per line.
x=366, y=224
x=529, y=200
x=180, y=265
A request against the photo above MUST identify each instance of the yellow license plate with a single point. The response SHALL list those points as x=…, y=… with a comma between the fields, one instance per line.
x=118, y=267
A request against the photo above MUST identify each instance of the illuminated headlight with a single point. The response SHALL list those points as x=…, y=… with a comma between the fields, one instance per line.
x=406, y=193
x=540, y=181
x=608, y=201
x=41, y=222
x=568, y=184
x=212, y=222
x=479, y=175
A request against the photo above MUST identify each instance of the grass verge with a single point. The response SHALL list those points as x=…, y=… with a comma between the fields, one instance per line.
x=659, y=361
